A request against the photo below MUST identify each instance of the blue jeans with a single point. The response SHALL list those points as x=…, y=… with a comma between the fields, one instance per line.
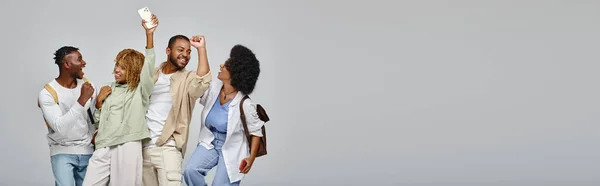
x=203, y=160
x=69, y=169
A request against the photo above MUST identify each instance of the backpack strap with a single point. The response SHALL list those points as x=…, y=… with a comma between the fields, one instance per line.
x=54, y=96
x=243, y=118
x=52, y=92
x=89, y=111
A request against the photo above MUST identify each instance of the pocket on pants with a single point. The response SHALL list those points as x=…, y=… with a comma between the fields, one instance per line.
x=174, y=176
x=172, y=160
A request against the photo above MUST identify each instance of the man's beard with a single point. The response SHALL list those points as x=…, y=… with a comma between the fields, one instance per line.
x=173, y=61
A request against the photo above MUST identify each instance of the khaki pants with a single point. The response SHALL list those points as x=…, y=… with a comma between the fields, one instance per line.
x=162, y=166
x=117, y=165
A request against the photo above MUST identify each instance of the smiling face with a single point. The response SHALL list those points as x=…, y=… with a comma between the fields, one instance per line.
x=224, y=74
x=128, y=67
x=120, y=74
x=74, y=64
x=179, y=53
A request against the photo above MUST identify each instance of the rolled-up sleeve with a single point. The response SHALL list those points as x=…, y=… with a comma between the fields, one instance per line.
x=198, y=84
x=97, y=117
x=252, y=119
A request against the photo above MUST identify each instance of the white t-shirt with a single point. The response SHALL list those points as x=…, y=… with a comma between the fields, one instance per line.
x=158, y=110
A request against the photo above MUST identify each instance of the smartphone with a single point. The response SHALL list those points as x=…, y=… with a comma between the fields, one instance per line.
x=146, y=15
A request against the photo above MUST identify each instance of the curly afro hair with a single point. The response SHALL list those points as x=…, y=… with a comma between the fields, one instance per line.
x=244, y=69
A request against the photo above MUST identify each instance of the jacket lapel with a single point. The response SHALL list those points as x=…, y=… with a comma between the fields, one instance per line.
x=157, y=70
x=233, y=108
x=212, y=97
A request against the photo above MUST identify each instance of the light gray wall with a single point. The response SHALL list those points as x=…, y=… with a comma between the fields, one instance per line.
x=419, y=93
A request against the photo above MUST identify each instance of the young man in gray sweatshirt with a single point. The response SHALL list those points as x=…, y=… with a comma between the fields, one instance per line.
x=65, y=102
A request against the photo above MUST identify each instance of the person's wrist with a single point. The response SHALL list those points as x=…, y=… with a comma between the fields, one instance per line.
x=81, y=101
x=98, y=103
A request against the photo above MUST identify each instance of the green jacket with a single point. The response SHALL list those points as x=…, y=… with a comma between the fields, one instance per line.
x=122, y=117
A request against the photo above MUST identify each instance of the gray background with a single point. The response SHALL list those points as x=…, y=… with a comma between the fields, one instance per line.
x=423, y=93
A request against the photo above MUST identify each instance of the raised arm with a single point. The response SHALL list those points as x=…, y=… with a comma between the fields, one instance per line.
x=200, y=82
x=200, y=44
x=146, y=80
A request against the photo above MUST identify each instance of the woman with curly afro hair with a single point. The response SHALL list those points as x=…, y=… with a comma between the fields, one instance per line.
x=221, y=120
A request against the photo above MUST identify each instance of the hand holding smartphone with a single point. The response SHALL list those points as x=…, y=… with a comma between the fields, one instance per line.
x=146, y=15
